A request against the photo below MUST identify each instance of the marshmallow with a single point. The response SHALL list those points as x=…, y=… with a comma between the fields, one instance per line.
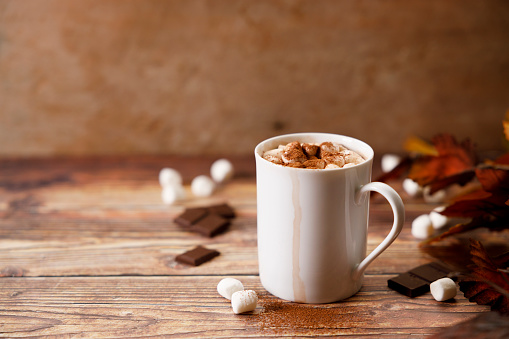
x=438, y=220
x=244, y=301
x=310, y=149
x=228, y=286
x=332, y=166
x=221, y=170
x=171, y=194
x=169, y=177
x=202, y=186
x=437, y=197
x=443, y=289
x=411, y=187
x=274, y=155
x=352, y=157
x=330, y=148
x=422, y=227
x=293, y=153
x=335, y=158
x=389, y=162
x=350, y=164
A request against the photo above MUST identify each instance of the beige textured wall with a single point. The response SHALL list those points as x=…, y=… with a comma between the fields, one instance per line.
x=192, y=76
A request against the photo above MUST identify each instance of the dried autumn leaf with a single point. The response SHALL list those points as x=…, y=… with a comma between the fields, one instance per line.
x=488, y=283
x=452, y=159
x=486, y=207
x=419, y=146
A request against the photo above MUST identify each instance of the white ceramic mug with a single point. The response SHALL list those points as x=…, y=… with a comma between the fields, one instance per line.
x=312, y=224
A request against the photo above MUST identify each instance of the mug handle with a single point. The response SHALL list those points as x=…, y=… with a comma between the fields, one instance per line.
x=398, y=210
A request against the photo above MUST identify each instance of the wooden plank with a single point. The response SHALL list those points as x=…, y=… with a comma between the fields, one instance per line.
x=191, y=307
x=95, y=248
x=102, y=222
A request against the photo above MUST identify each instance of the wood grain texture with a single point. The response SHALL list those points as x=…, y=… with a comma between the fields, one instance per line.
x=190, y=306
x=87, y=250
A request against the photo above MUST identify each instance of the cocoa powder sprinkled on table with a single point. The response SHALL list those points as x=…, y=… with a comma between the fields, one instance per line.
x=278, y=316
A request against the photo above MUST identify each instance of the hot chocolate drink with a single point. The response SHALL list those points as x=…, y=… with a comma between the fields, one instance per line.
x=326, y=155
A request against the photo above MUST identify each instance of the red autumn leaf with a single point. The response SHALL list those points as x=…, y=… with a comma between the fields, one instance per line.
x=488, y=283
x=453, y=158
x=493, y=179
x=487, y=207
x=489, y=202
x=461, y=179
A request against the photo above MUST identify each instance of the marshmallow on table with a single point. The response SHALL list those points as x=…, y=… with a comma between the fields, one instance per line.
x=438, y=220
x=389, y=162
x=443, y=289
x=228, y=286
x=202, y=186
x=244, y=301
x=172, y=193
x=437, y=197
x=422, y=227
x=170, y=177
x=411, y=187
x=221, y=170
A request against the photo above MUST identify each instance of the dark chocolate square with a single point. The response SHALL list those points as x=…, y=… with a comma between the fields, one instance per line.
x=224, y=210
x=197, y=256
x=211, y=225
x=191, y=216
x=408, y=284
x=430, y=272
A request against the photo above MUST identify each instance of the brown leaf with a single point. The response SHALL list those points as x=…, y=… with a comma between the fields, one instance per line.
x=493, y=179
x=453, y=158
x=461, y=179
x=487, y=207
x=487, y=284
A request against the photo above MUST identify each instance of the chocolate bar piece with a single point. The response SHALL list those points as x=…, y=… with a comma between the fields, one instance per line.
x=223, y=210
x=197, y=256
x=211, y=225
x=430, y=272
x=191, y=216
x=416, y=281
x=408, y=284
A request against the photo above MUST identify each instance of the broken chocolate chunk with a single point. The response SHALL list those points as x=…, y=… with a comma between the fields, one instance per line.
x=430, y=272
x=224, y=210
x=409, y=285
x=197, y=256
x=416, y=281
x=211, y=225
x=191, y=216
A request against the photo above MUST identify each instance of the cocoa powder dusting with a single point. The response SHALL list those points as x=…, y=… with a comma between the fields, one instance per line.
x=327, y=155
x=279, y=316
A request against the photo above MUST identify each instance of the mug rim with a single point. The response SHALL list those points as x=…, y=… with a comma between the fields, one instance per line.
x=367, y=148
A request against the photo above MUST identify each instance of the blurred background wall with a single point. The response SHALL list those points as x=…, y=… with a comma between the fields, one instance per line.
x=217, y=77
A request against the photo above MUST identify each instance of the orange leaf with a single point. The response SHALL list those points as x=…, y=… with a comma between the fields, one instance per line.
x=419, y=146
x=453, y=158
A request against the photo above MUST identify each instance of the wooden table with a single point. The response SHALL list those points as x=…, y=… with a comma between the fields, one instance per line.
x=87, y=249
